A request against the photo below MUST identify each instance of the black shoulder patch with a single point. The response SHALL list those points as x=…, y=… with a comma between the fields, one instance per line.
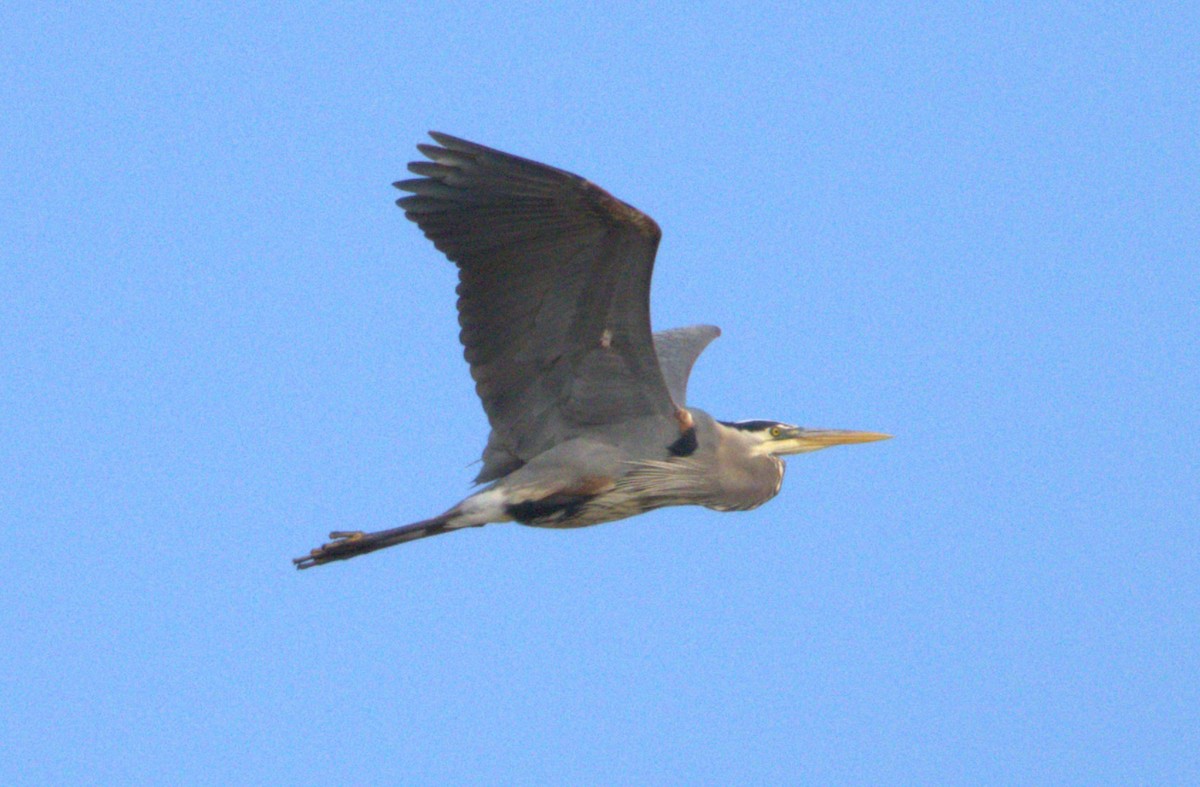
x=686, y=445
x=555, y=508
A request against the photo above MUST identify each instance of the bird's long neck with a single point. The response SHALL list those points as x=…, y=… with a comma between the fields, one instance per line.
x=746, y=475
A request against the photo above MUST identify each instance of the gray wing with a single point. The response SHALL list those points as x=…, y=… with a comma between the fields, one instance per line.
x=554, y=295
x=677, y=351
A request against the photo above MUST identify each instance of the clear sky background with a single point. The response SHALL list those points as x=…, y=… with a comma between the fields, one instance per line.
x=978, y=230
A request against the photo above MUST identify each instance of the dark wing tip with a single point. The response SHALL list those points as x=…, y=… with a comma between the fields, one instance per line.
x=451, y=144
x=430, y=151
x=455, y=143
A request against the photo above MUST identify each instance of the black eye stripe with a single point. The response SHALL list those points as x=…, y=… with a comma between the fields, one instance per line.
x=751, y=426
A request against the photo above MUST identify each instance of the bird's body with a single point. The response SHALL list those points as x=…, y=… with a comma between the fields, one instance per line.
x=587, y=407
x=601, y=482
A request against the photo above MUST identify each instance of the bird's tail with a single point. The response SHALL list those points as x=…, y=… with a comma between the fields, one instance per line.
x=348, y=544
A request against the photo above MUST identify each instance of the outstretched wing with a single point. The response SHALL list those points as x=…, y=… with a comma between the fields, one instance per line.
x=554, y=295
x=677, y=351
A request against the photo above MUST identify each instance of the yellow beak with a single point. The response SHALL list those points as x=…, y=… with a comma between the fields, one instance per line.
x=802, y=440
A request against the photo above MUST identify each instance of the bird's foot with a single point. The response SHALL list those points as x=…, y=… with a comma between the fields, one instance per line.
x=345, y=543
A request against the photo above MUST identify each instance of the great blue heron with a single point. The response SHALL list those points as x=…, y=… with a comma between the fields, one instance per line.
x=587, y=407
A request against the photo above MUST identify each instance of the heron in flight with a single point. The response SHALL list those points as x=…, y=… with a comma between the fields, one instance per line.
x=588, y=408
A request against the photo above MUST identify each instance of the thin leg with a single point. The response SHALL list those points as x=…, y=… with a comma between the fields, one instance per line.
x=348, y=544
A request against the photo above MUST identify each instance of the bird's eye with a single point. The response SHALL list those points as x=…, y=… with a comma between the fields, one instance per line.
x=776, y=431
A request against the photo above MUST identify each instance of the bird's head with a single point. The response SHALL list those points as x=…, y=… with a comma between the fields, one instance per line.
x=779, y=439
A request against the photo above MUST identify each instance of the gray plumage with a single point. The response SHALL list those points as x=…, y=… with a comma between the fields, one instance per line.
x=677, y=351
x=587, y=408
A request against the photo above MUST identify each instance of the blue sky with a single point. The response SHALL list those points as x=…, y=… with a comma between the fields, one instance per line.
x=974, y=228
